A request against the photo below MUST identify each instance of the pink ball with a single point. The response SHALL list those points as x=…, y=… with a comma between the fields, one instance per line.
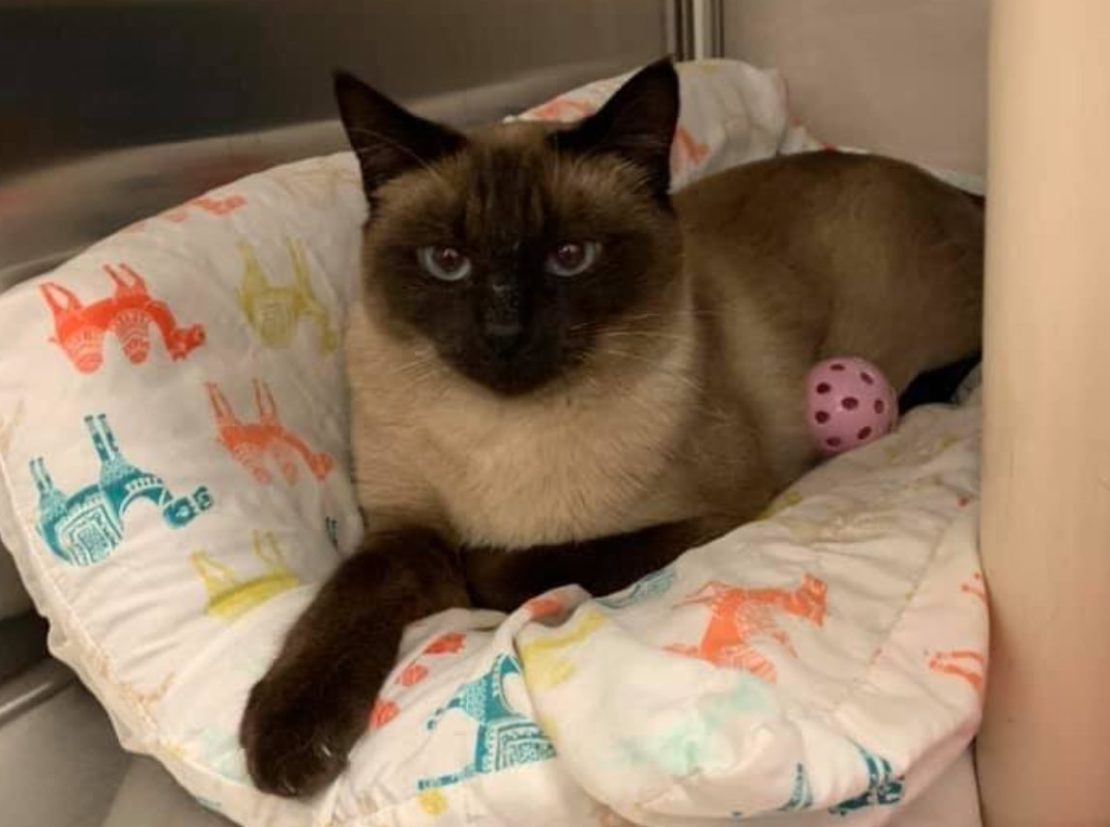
x=848, y=404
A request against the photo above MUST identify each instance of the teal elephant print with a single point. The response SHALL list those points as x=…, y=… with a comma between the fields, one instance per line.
x=85, y=527
x=882, y=787
x=654, y=585
x=504, y=739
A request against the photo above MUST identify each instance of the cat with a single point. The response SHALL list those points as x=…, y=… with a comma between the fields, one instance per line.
x=560, y=372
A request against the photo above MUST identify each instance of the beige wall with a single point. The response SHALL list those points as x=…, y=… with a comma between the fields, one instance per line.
x=903, y=77
x=1044, y=749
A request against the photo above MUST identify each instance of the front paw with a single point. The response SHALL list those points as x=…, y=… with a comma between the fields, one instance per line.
x=298, y=726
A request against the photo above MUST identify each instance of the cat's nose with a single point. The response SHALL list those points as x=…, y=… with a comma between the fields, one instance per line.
x=502, y=322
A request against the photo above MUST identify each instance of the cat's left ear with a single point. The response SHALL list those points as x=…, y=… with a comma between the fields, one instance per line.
x=387, y=138
x=637, y=124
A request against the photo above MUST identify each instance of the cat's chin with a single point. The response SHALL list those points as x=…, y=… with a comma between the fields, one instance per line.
x=515, y=379
x=511, y=384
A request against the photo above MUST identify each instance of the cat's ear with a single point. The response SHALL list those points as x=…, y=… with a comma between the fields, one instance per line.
x=637, y=124
x=387, y=138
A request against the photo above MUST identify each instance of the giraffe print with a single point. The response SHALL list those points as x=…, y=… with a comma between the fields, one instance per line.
x=961, y=663
x=976, y=587
x=229, y=596
x=274, y=312
x=254, y=443
x=213, y=205
x=966, y=664
x=739, y=617
x=544, y=663
x=79, y=328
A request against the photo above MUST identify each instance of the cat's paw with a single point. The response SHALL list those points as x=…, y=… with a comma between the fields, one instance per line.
x=298, y=728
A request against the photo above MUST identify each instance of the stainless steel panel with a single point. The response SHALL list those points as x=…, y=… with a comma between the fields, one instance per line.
x=904, y=77
x=112, y=109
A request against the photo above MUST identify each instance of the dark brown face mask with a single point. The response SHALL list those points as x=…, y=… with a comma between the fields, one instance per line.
x=510, y=249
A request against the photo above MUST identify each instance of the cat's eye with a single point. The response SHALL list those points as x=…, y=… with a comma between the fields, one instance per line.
x=444, y=263
x=572, y=258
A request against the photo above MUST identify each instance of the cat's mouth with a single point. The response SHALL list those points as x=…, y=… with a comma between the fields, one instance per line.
x=513, y=368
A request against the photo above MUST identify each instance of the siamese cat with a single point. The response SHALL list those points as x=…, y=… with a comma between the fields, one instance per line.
x=562, y=373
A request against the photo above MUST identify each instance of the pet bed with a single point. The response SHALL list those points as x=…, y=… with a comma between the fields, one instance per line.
x=175, y=485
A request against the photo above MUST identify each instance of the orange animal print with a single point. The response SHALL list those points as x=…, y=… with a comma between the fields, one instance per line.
x=739, y=617
x=446, y=644
x=686, y=151
x=79, y=328
x=963, y=663
x=562, y=110
x=543, y=606
x=211, y=205
x=976, y=588
x=966, y=664
x=253, y=442
x=386, y=710
x=382, y=713
x=412, y=674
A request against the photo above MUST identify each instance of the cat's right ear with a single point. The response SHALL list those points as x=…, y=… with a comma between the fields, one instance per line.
x=386, y=138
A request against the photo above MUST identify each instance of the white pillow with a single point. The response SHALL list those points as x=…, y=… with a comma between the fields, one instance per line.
x=177, y=485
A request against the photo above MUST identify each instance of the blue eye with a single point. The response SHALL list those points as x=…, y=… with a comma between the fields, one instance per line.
x=444, y=263
x=572, y=258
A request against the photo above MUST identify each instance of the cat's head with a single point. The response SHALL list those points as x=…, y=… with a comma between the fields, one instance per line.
x=523, y=252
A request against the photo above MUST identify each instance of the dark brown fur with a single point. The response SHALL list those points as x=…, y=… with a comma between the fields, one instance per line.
x=514, y=431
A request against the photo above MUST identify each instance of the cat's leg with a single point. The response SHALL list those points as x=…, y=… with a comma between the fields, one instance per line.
x=501, y=579
x=304, y=716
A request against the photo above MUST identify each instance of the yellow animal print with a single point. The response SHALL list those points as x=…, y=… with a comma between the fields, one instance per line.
x=275, y=312
x=544, y=666
x=433, y=802
x=228, y=596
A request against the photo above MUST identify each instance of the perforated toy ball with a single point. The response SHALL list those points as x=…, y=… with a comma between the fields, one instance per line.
x=848, y=404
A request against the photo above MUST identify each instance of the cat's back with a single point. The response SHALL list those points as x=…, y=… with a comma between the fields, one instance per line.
x=803, y=205
x=820, y=240
x=807, y=256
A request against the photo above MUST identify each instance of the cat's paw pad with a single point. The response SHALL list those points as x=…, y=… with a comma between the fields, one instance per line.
x=296, y=737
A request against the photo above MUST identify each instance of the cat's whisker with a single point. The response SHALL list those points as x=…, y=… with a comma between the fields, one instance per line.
x=647, y=334
x=657, y=367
